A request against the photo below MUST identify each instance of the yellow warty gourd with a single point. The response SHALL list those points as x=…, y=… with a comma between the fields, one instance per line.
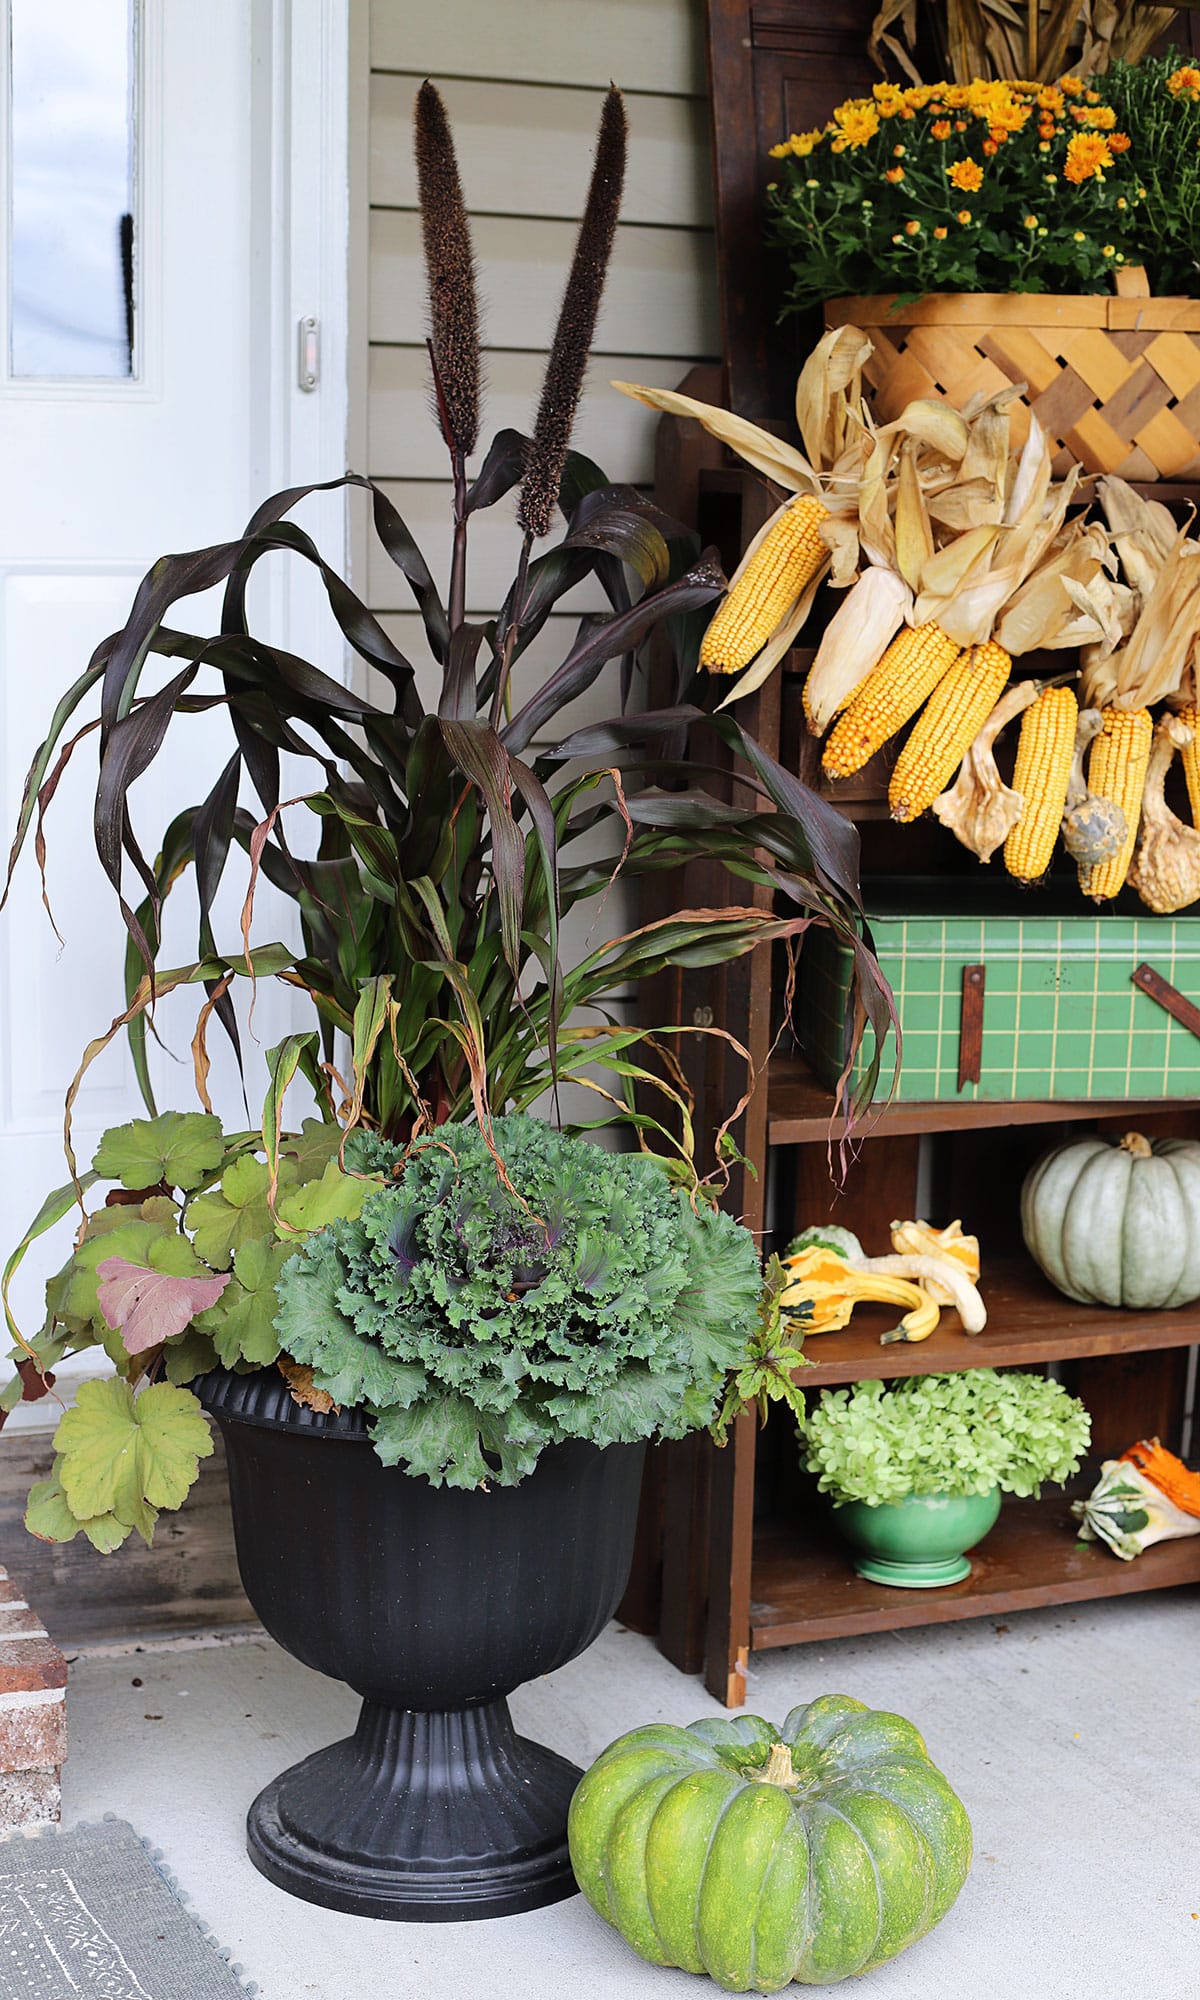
x=1041, y=773
x=758, y=601
x=890, y=696
x=946, y=728
x=1117, y=770
x=1189, y=757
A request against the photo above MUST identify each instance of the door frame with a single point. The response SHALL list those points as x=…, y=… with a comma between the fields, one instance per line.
x=302, y=103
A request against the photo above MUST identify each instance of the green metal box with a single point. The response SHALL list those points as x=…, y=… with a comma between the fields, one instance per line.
x=1061, y=1015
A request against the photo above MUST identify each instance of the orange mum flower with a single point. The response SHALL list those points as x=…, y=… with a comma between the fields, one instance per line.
x=894, y=174
x=941, y=130
x=964, y=215
x=967, y=175
x=912, y=229
x=1119, y=142
x=1185, y=79
x=940, y=231
x=1087, y=156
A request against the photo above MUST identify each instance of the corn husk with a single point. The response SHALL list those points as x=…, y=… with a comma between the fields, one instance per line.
x=829, y=403
x=776, y=460
x=1150, y=665
x=979, y=808
x=856, y=637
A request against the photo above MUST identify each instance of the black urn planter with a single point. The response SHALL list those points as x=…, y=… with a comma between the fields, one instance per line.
x=433, y=1604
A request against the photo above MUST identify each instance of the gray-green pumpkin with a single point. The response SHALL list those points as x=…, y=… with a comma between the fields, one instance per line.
x=1117, y=1223
x=763, y=1855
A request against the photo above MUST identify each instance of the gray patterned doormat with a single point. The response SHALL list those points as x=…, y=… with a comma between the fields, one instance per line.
x=88, y=1912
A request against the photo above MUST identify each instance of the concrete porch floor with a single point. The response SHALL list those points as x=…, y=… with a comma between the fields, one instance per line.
x=1072, y=1736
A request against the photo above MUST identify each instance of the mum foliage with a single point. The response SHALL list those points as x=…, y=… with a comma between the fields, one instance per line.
x=481, y=1316
x=979, y=187
x=953, y=1434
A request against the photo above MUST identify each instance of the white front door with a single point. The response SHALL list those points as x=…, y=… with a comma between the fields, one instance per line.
x=158, y=249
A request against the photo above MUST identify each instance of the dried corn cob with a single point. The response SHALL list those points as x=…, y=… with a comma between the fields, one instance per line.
x=948, y=725
x=889, y=697
x=1042, y=772
x=1117, y=770
x=1189, y=757
x=760, y=598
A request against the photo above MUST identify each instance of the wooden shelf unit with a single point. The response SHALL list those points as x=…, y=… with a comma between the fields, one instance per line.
x=718, y=1577
x=715, y=1574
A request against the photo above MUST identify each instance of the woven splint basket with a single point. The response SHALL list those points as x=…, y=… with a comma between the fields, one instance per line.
x=1115, y=382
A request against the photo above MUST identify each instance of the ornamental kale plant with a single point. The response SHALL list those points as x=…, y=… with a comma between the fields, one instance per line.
x=482, y=1311
x=952, y=1434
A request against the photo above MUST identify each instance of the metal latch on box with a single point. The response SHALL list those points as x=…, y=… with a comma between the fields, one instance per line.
x=970, y=1033
x=1178, y=1006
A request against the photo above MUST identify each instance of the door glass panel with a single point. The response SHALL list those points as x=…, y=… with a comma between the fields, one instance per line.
x=71, y=233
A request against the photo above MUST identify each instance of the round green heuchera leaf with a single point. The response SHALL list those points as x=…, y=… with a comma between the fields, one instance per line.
x=235, y=1213
x=182, y=1148
x=116, y=1452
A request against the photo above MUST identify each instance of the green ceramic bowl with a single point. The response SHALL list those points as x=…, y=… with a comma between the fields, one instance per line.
x=918, y=1543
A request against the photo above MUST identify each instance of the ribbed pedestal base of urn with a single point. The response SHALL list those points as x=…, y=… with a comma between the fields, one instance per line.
x=426, y=1817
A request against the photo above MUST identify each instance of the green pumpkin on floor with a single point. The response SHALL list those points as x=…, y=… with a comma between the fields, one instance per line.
x=763, y=1855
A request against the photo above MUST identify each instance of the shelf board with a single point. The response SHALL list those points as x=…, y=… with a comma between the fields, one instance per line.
x=1028, y=1322
x=800, y=1110
x=803, y=1586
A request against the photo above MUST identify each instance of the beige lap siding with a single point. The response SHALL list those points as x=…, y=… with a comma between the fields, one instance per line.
x=33, y=1714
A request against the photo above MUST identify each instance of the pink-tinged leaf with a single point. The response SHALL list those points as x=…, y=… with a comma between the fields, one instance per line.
x=149, y=1306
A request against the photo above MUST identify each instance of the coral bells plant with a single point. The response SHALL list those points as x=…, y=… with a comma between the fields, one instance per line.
x=980, y=187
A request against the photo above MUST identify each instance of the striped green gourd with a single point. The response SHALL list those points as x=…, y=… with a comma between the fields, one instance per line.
x=763, y=1855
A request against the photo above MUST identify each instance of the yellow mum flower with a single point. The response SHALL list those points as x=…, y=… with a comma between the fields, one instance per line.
x=967, y=175
x=1050, y=100
x=1031, y=222
x=1079, y=236
x=1071, y=86
x=858, y=122
x=799, y=145
x=1108, y=250
x=1103, y=118
x=1087, y=155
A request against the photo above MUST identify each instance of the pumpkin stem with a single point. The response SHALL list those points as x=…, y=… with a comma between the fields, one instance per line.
x=778, y=1769
x=1133, y=1142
